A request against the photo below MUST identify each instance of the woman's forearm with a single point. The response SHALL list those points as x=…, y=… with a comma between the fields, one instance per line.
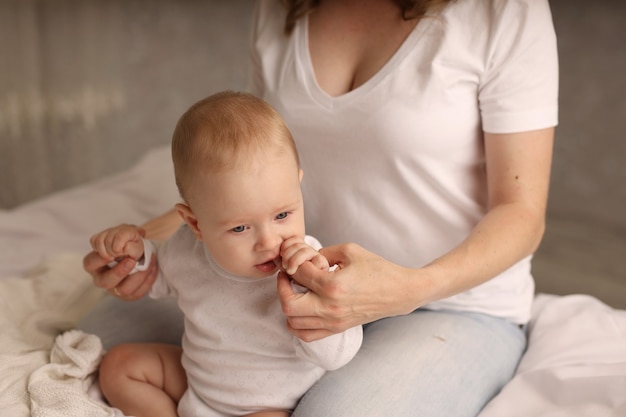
x=518, y=176
x=505, y=236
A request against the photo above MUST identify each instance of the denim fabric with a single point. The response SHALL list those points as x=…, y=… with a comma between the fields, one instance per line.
x=425, y=364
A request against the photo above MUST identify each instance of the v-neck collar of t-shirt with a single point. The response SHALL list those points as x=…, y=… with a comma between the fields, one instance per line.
x=326, y=100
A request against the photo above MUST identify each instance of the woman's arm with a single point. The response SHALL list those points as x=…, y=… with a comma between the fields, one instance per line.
x=367, y=287
x=518, y=177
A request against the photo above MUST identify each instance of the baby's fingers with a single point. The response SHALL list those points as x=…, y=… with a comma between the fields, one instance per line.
x=299, y=255
x=111, y=243
x=99, y=245
x=117, y=244
x=321, y=262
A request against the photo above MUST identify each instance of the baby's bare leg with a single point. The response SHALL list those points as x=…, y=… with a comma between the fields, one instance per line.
x=143, y=380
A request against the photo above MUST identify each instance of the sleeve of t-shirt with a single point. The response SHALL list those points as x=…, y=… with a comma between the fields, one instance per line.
x=519, y=89
x=160, y=288
x=333, y=351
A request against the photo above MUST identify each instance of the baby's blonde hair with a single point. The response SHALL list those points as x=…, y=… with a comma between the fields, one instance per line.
x=225, y=130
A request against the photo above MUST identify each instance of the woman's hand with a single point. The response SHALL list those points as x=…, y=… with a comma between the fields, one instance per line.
x=116, y=280
x=364, y=288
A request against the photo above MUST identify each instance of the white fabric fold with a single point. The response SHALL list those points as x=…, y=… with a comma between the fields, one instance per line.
x=59, y=388
x=575, y=364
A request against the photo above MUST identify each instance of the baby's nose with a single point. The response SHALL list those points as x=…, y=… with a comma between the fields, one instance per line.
x=268, y=240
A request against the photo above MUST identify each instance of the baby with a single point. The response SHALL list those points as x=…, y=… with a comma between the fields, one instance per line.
x=238, y=172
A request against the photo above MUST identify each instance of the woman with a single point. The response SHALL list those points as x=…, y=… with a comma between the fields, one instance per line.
x=426, y=132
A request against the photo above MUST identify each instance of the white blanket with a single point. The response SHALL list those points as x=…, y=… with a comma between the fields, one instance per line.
x=575, y=364
x=46, y=368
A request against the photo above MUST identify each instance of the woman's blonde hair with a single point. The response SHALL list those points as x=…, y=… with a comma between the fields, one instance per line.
x=411, y=9
x=222, y=131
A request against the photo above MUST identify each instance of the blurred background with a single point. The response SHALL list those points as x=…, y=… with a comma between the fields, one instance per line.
x=88, y=86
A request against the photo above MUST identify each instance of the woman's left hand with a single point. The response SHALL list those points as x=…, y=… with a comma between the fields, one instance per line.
x=364, y=288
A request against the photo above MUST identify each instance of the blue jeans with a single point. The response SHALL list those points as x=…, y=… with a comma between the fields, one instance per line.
x=425, y=364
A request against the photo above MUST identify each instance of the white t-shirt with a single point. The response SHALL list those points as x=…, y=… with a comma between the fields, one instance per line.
x=397, y=165
x=237, y=352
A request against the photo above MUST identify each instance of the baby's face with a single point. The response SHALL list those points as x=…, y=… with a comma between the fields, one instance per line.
x=244, y=214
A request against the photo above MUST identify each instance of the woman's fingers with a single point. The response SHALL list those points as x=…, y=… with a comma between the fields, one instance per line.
x=309, y=335
x=116, y=279
x=310, y=276
x=137, y=285
x=290, y=300
x=364, y=288
x=103, y=276
x=308, y=327
x=311, y=315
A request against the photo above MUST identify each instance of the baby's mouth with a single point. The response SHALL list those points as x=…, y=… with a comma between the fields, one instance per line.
x=269, y=266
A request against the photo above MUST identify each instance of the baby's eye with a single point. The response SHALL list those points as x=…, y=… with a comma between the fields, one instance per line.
x=282, y=215
x=238, y=229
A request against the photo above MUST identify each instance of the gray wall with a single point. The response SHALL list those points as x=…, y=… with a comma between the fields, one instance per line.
x=86, y=86
x=589, y=175
x=584, y=249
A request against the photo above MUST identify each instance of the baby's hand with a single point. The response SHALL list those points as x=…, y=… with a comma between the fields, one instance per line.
x=294, y=252
x=118, y=242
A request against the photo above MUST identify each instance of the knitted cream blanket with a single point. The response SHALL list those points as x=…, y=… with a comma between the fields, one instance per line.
x=46, y=368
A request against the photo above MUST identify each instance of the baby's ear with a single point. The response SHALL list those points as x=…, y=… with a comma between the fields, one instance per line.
x=188, y=217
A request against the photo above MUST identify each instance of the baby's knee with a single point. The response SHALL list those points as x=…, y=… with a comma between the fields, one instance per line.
x=115, y=365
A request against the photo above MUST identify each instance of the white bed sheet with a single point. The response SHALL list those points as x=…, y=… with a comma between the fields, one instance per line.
x=65, y=220
x=575, y=364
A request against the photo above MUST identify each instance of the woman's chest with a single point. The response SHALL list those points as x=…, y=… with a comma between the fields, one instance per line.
x=348, y=46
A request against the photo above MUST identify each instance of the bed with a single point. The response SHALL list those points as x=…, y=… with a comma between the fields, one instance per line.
x=575, y=364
